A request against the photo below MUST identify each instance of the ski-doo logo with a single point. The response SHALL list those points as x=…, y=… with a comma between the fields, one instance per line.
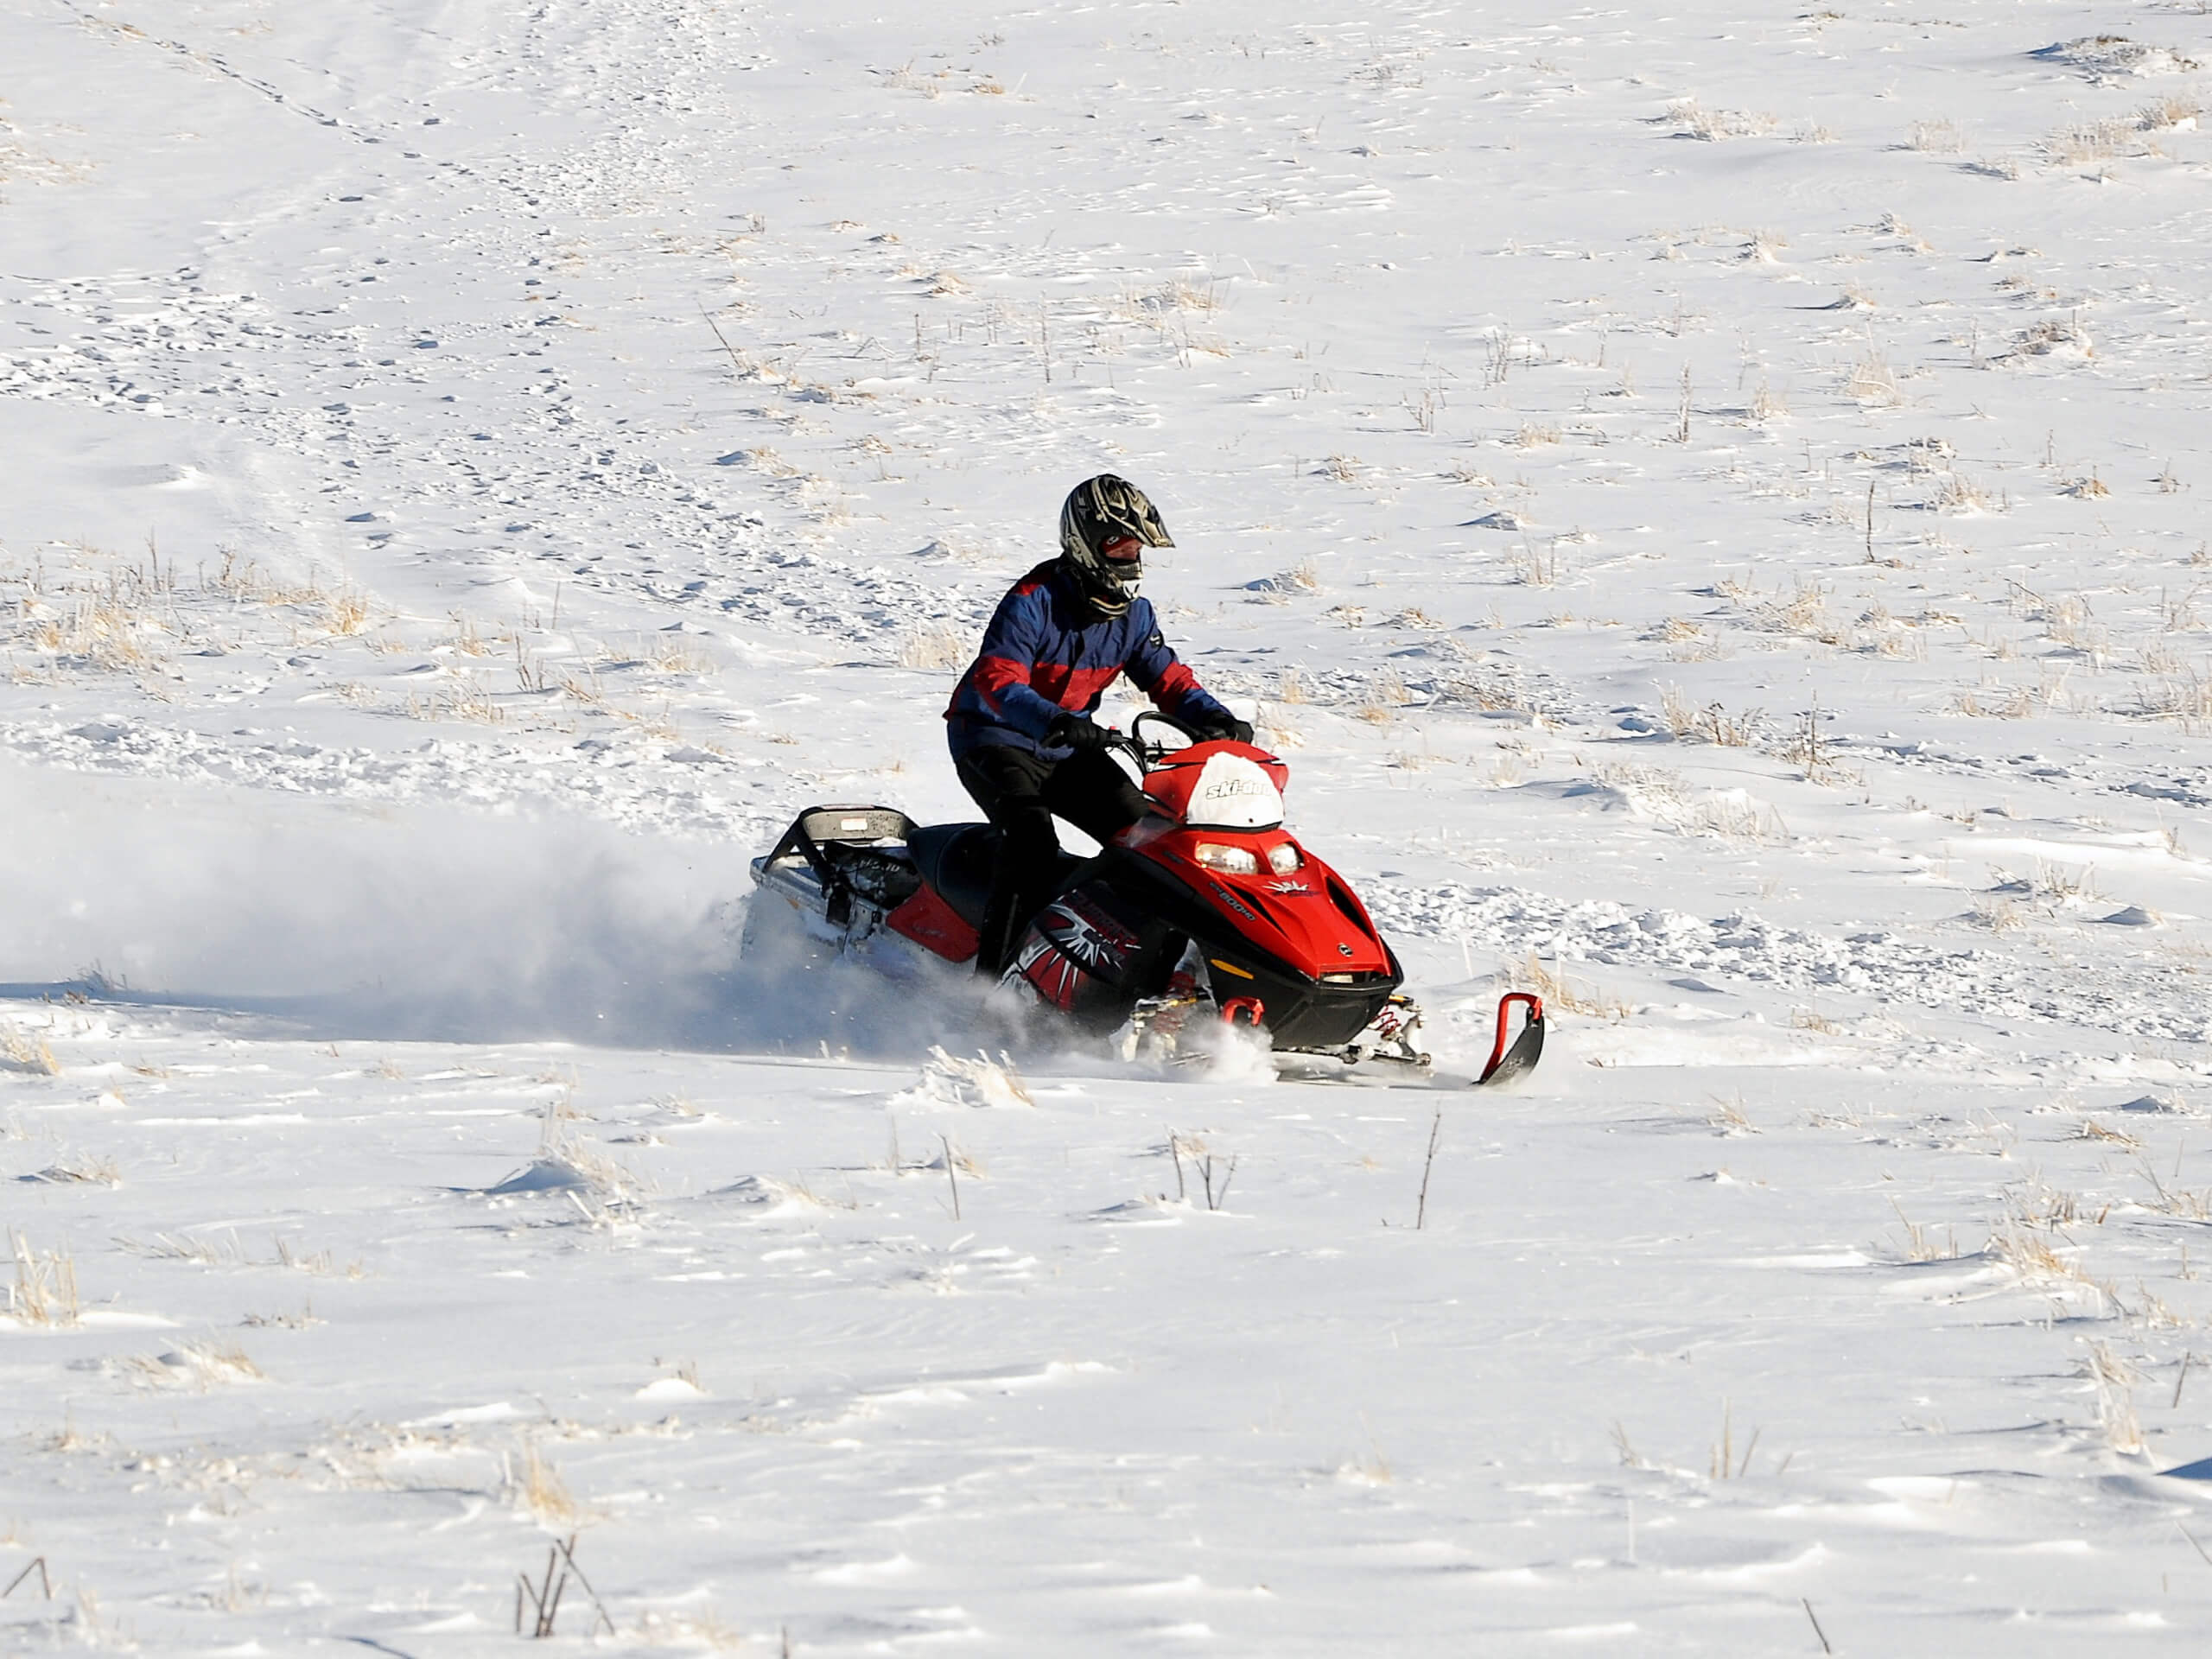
x=1288, y=886
x=1232, y=792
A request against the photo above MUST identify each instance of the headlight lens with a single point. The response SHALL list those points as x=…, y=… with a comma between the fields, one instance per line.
x=1283, y=857
x=1230, y=860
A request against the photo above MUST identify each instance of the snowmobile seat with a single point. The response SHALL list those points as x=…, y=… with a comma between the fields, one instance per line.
x=957, y=860
x=960, y=860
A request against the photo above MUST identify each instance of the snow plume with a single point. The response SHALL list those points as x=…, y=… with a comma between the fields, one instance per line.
x=344, y=922
x=792, y=994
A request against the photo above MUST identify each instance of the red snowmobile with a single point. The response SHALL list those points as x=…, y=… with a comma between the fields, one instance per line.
x=1206, y=906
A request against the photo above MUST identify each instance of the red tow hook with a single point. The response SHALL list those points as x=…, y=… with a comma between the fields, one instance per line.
x=1244, y=1011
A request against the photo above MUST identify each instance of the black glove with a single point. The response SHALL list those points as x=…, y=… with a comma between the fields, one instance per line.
x=1223, y=727
x=1080, y=733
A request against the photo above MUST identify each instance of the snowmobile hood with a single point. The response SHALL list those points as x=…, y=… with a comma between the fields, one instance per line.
x=1303, y=920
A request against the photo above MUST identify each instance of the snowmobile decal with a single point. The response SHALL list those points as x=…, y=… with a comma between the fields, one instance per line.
x=1091, y=938
x=1235, y=903
x=1052, y=974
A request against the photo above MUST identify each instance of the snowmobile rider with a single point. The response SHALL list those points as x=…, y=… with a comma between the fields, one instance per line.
x=1020, y=723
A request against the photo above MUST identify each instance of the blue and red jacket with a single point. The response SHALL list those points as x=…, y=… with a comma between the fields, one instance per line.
x=1041, y=658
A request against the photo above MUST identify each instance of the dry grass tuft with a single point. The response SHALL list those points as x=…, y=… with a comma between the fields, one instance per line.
x=1559, y=992
x=224, y=1250
x=1691, y=119
x=904, y=80
x=2113, y=1379
x=213, y=1362
x=1873, y=384
x=2186, y=697
x=1176, y=296
x=103, y=631
x=953, y=1080
x=465, y=638
x=457, y=702
x=1939, y=138
x=1920, y=1244
x=1665, y=799
x=1711, y=724
x=1804, y=612
x=2093, y=1130
x=2079, y=143
x=346, y=613
x=45, y=1291
x=1382, y=698
x=80, y=1169
x=540, y=1490
x=2175, y=113
x=704, y=1629
x=25, y=1052
x=2003, y=917
x=2052, y=335
x=1729, y=1117
x=1953, y=491
x=670, y=653
x=2031, y=1241
x=933, y=647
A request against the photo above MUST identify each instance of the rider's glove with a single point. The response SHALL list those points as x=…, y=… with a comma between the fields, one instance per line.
x=1077, y=732
x=1224, y=726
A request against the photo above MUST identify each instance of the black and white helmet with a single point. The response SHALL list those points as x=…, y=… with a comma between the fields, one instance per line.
x=1102, y=513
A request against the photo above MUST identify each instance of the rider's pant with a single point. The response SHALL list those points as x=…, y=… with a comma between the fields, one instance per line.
x=1020, y=791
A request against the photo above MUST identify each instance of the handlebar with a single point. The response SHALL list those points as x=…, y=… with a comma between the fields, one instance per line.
x=1145, y=750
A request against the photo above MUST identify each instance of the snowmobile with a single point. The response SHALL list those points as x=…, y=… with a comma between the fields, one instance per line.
x=1205, y=907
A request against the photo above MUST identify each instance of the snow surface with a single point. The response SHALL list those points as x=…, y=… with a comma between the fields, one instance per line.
x=1704, y=503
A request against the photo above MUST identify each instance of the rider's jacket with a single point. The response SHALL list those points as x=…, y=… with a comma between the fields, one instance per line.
x=1045, y=654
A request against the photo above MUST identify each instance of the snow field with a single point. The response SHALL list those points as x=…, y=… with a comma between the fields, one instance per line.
x=816, y=1405
x=1705, y=505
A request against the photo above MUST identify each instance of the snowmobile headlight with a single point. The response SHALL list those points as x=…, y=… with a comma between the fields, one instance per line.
x=1283, y=857
x=1231, y=860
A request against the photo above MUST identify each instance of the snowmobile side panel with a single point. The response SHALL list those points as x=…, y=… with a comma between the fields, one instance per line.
x=1092, y=953
x=934, y=926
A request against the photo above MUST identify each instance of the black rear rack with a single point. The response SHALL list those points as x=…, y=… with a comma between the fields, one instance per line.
x=828, y=838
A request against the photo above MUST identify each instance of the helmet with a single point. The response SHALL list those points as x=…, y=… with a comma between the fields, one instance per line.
x=1098, y=513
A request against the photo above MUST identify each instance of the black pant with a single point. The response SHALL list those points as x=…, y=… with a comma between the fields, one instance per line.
x=1019, y=792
